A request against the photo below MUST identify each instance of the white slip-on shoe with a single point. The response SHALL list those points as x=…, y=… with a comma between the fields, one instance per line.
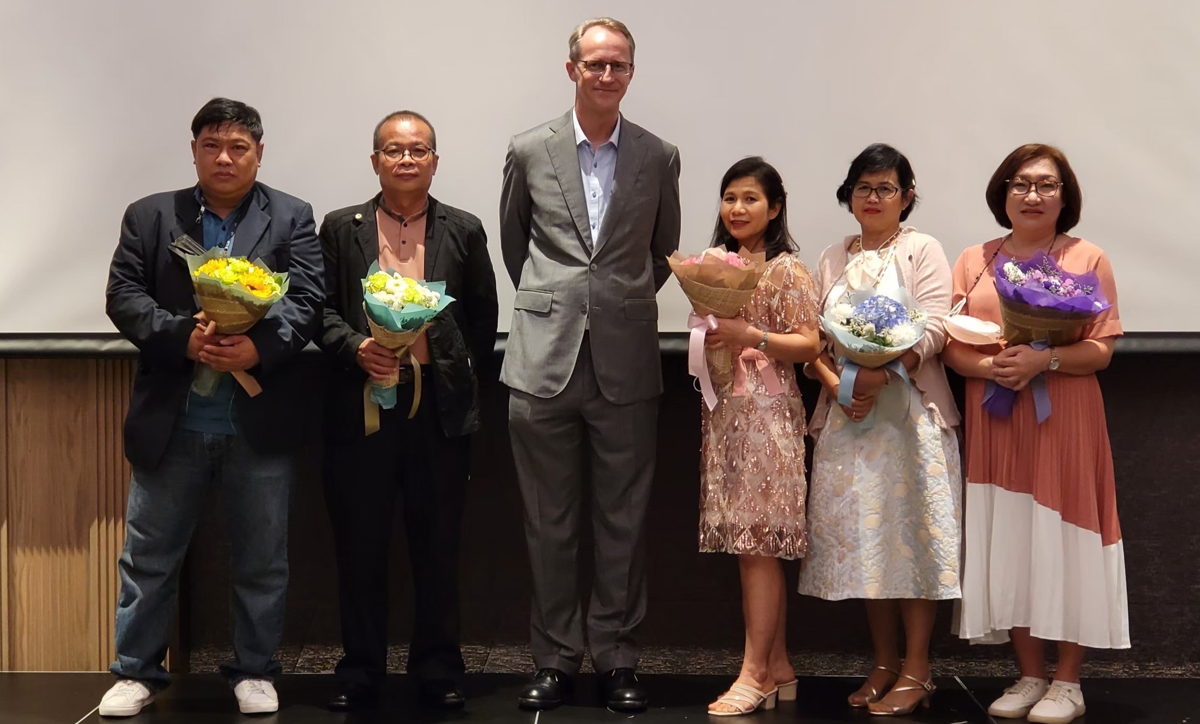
x=256, y=696
x=127, y=697
x=1061, y=704
x=1019, y=698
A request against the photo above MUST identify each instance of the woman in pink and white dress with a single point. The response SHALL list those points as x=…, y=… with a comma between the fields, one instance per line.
x=1043, y=559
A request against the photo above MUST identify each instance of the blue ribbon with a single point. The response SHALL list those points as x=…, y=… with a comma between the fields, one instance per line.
x=846, y=385
x=998, y=400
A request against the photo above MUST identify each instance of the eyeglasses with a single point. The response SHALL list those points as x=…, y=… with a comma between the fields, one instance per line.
x=597, y=67
x=1045, y=188
x=883, y=191
x=416, y=153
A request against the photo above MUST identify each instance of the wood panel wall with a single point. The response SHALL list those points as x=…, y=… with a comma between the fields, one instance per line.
x=63, y=483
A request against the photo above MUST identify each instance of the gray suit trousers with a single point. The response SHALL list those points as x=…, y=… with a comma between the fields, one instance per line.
x=574, y=444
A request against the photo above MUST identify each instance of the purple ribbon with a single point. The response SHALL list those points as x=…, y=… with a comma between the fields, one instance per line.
x=998, y=400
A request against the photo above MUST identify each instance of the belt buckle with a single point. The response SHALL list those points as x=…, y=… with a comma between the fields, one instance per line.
x=405, y=376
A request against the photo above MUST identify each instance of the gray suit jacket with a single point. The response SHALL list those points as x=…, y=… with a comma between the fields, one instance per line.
x=562, y=289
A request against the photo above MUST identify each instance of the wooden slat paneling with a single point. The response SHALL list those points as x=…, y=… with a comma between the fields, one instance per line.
x=107, y=530
x=51, y=416
x=5, y=621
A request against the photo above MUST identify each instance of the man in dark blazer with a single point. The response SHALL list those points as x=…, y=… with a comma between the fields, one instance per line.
x=422, y=462
x=589, y=211
x=181, y=443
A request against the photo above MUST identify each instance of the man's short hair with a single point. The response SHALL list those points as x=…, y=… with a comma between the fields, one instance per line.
x=610, y=23
x=395, y=115
x=220, y=111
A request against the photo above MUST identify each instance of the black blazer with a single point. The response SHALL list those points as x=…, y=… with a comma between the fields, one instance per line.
x=151, y=302
x=461, y=339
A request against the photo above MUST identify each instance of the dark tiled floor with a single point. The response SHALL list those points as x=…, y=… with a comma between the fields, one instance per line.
x=39, y=698
x=515, y=659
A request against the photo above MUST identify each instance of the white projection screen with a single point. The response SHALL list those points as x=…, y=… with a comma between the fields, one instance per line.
x=98, y=97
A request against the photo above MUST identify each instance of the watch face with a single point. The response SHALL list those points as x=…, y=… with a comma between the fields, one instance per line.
x=1054, y=363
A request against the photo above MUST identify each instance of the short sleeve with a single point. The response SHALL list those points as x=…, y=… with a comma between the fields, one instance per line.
x=794, y=303
x=1108, y=322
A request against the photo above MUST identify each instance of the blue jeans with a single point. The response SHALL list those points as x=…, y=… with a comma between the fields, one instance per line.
x=164, y=505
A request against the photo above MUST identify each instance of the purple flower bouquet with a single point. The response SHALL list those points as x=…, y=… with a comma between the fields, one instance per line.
x=1040, y=301
x=1042, y=306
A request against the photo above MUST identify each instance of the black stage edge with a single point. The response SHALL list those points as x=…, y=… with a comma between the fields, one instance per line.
x=55, y=698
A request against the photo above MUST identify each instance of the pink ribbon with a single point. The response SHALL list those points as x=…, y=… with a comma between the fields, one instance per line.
x=766, y=371
x=697, y=364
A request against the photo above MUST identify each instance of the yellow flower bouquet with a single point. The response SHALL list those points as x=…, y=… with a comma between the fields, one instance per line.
x=234, y=293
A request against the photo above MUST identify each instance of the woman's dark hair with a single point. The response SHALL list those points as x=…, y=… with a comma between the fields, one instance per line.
x=776, y=239
x=873, y=159
x=1072, y=195
x=220, y=111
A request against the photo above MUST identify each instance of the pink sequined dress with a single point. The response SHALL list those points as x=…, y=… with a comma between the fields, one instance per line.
x=752, y=483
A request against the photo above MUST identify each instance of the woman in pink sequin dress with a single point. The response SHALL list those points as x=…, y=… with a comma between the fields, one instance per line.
x=752, y=452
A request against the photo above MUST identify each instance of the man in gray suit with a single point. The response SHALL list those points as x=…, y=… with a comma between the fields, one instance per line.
x=589, y=211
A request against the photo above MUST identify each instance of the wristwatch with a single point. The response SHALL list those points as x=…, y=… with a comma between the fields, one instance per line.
x=1055, y=362
x=762, y=343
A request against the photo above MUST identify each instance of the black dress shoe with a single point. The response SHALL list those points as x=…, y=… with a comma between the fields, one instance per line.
x=442, y=694
x=354, y=698
x=547, y=689
x=622, y=691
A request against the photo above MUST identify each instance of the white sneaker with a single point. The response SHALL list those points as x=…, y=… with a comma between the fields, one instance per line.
x=1061, y=704
x=256, y=696
x=1019, y=698
x=126, y=698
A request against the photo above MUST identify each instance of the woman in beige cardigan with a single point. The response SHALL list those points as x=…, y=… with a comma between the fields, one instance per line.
x=884, y=498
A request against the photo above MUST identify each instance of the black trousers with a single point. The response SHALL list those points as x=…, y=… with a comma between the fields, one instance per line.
x=410, y=463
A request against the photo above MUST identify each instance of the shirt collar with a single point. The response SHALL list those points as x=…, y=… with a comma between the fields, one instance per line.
x=379, y=204
x=581, y=137
x=234, y=216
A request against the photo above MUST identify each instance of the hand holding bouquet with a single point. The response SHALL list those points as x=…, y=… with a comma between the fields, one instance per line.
x=718, y=283
x=234, y=294
x=871, y=330
x=398, y=310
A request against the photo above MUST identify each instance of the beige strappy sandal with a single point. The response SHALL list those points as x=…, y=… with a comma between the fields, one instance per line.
x=923, y=702
x=867, y=693
x=744, y=699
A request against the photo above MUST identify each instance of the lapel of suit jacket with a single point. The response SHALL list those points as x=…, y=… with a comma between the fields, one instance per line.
x=187, y=217
x=187, y=221
x=564, y=155
x=366, y=235
x=629, y=163
x=250, y=230
x=435, y=237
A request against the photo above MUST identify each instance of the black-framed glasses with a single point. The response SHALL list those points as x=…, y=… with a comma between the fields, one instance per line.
x=1045, y=188
x=416, y=153
x=883, y=191
x=597, y=67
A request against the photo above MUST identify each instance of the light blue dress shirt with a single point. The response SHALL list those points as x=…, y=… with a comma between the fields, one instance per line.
x=597, y=167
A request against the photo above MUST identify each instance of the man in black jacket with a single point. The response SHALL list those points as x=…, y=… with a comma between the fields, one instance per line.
x=181, y=443
x=419, y=459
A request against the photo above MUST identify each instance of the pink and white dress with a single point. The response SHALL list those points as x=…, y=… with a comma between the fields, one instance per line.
x=1042, y=541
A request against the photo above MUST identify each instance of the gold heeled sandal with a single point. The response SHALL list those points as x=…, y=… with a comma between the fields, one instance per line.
x=867, y=693
x=923, y=702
